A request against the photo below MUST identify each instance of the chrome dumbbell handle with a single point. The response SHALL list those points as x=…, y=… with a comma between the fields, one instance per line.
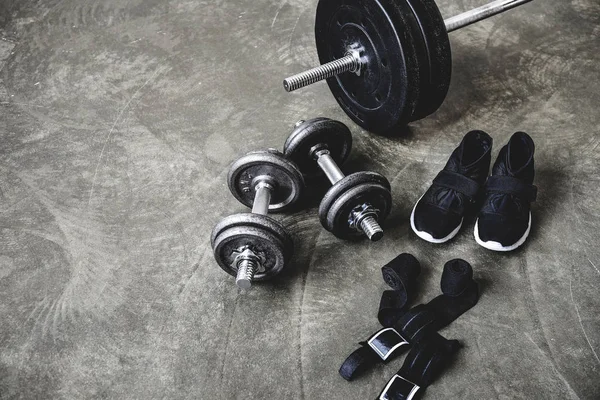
x=328, y=166
x=262, y=198
x=248, y=262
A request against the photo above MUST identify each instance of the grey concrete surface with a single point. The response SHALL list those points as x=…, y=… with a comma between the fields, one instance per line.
x=118, y=121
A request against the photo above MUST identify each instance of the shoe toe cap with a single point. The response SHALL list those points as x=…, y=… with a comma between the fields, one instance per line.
x=501, y=229
x=435, y=221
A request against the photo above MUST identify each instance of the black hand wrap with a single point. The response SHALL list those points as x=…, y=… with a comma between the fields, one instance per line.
x=510, y=185
x=422, y=365
x=460, y=293
x=400, y=274
x=458, y=182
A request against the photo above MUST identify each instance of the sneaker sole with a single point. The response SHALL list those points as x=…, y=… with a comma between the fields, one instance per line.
x=427, y=236
x=496, y=246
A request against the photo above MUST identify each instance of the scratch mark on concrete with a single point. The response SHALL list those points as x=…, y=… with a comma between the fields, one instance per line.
x=574, y=203
x=188, y=278
x=8, y=103
x=562, y=378
x=110, y=132
x=593, y=265
x=301, y=318
x=277, y=14
x=294, y=30
x=227, y=340
x=301, y=313
x=54, y=7
x=580, y=322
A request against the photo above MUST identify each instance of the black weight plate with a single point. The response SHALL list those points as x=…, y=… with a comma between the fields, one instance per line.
x=265, y=235
x=376, y=195
x=255, y=220
x=383, y=98
x=285, y=175
x=344, y=185
x=435, y=78
x=333, y=134
x=268, y=249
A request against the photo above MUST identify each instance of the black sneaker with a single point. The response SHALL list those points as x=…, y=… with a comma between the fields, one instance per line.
x=438, y=214
x=504, y=221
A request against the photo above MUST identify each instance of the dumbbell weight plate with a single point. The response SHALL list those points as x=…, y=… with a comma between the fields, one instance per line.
x=333, y=134
x=383, y=98
x=338, y=216
x=265, y=236
x=436, y=72
x=350, y=192
x=287, y=178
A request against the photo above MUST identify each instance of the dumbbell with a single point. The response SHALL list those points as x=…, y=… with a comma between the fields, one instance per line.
x=253, y=246
x=355, y=204
x=389, y=60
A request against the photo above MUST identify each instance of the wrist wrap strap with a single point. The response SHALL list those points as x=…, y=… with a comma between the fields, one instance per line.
x=400, y=274
x=422, y=365
x=458, y=182
x=510, y=185
x=460, y=293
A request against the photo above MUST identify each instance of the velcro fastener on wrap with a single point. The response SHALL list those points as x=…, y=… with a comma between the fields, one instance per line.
x=511, y=185
x=426, y=360
x=458, y=182
x=384, y=344
x=417, y=322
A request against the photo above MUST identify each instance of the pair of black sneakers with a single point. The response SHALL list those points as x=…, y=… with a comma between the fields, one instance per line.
x=504, y=218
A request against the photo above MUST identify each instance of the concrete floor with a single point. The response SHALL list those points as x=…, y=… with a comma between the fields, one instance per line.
x=118, y=121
